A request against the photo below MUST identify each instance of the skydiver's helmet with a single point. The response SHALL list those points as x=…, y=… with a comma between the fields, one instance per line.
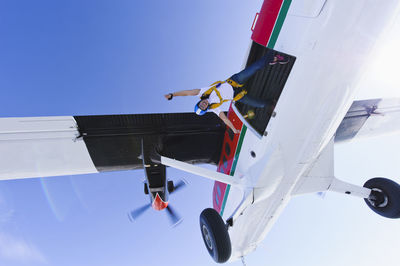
x=200, y=111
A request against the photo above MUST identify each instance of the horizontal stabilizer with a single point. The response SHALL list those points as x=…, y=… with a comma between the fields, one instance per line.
x=370, y=118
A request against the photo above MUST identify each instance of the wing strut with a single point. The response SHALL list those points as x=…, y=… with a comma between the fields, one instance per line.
x=217, y=176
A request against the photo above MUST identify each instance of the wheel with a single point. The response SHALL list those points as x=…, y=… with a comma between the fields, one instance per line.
x=384, y=198
x=146, y=189
x=170, y=186
x=215, y=235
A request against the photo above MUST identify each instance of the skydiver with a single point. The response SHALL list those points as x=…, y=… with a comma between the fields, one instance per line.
x=230, y=90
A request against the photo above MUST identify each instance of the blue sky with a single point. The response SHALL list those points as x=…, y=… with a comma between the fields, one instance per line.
x=102, y=57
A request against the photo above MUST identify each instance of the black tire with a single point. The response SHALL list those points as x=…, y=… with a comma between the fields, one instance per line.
x=146, y=189
x=170, y=186
x=215, y=235
x=387, y=193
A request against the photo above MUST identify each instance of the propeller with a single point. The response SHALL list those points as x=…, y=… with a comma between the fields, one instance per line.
x=139, y=211
x=181, y=184
x=173, y=216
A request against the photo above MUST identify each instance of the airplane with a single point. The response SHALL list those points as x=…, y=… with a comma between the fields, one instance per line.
x=158, y=187
x=279, y=153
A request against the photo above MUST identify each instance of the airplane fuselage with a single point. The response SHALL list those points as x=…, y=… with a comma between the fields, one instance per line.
x=333, y=47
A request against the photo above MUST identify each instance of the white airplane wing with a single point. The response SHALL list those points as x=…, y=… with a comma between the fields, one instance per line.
x=71, y=145
x=370, y=118
x=365, y=118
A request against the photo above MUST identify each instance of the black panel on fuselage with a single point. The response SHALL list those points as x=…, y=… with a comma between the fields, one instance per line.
x=114, y=141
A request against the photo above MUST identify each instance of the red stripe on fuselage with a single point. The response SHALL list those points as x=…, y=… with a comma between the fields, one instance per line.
x=226, y=160
x=262, y=33
x=266, y=21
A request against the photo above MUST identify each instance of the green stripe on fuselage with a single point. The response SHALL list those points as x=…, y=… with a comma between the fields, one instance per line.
x=278, y=24
x=233, y=168
x=271, y=44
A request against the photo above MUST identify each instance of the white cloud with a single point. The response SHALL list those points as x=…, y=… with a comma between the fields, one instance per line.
x=15, y=249
x=11, y=247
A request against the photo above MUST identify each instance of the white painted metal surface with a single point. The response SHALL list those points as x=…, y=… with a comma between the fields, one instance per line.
x=307, y=8
x=383, y=121
x=196, y=170
x=320, y=175
x=346, y=188
x=42, y=146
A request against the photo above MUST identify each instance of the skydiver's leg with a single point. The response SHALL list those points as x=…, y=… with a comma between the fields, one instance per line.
x=259, y=103
x=249, y=71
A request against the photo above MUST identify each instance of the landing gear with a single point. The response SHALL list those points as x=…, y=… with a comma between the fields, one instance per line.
x=146, y=189
x=384, y=198
x=215, y=235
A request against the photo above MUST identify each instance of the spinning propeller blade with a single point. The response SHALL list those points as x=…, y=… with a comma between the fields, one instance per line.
x=173, y=216
x=139, y=211
x=181, y=184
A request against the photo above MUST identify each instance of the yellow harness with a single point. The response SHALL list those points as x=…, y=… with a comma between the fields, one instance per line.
x=214, y=87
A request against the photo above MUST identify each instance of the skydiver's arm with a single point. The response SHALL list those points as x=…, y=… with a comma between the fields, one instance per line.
x=228, y=122
x=193, y=92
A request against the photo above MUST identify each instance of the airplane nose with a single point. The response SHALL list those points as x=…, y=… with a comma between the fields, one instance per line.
x=159, y=204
